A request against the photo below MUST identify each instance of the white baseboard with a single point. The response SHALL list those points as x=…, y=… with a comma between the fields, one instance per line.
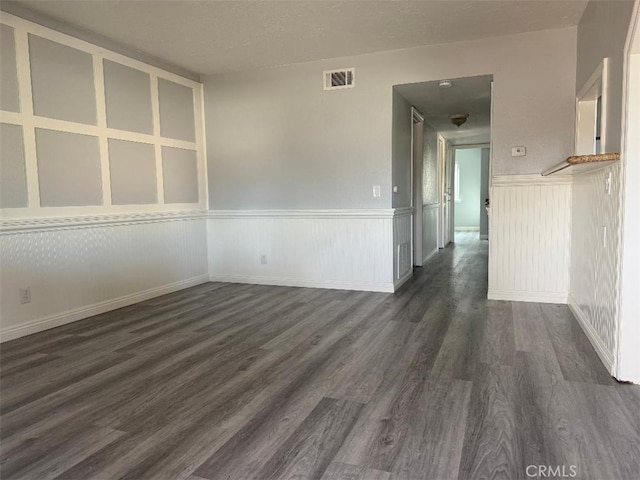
x=522, y=296
x=52, y=321
x=295, y=282
x=484, y=237
x=467, y=229
x=405, y=278
x=605, y=356
x=429, y=256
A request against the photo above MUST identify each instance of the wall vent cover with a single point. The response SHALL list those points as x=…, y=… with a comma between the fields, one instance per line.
x=338, y=79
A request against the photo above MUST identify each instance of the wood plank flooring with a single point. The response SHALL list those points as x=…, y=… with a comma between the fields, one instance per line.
x=229, y=381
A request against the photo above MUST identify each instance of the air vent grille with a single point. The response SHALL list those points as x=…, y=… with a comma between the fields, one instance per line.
x=338, y=79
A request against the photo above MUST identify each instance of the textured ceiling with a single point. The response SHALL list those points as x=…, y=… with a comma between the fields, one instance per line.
x=470, y=95
x=221, y=36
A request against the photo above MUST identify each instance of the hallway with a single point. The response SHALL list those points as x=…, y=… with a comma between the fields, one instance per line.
x=232, y=381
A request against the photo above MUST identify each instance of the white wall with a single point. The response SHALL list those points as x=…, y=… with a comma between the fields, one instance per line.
x=81, y=267
x=83, y=258
x=467, y=207
x=595, y=261
x=277, y=140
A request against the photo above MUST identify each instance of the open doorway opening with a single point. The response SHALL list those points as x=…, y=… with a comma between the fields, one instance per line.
x=471, y=189
x=435, y=139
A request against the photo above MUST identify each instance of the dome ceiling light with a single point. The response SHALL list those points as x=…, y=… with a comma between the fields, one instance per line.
x=458, y=119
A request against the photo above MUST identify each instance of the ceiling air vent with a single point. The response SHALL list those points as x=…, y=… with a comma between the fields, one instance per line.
x=337, y=79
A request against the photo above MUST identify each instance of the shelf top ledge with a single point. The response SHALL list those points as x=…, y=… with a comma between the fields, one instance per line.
x=582, y=163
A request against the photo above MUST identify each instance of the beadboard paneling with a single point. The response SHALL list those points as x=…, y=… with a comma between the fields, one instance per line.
x=529, y=247
x=77, y=270
x=328, y=249
x=595, y=257
x=402, y=255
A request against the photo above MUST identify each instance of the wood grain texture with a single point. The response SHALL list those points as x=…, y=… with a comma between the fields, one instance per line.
x=253, y=382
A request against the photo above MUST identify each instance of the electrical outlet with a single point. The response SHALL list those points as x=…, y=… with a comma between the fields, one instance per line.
x=376, y=191
x=518, y=151
x=25, y=295
x=263, y=259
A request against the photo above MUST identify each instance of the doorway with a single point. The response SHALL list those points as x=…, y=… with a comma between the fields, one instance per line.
x=417, y=149
x=471, y=189
x=424, y=141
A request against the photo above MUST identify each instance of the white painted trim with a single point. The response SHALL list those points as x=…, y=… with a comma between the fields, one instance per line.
x=429, y=256
x=467, y=229
x=627, y=338
x=605, y=356
x=29, y=121
x=337, y=213
x=71, y=41
x=529, y=180
x=471, y=145
x=522, y=296
x=57, y=223
x=46, y=323
x=402, y=211
x=296, y=282
x=416, y=115
x=93, y=130
x=401, y=281
x=101, y=121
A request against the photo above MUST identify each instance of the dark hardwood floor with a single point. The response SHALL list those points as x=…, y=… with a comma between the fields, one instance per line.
x=229, y=381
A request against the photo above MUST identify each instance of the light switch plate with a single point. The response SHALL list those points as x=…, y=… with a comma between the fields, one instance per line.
x=376, y=191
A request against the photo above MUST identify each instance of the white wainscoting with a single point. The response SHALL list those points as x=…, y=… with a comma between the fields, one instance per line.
x=402, y=257
x=429, y=230
x=595, y=258
x=81, y=266
x=529, y=246
x=341, y=249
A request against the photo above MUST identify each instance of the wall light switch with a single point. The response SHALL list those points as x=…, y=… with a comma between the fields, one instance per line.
x=518, y=151
x=376, y=191
x=395, y=189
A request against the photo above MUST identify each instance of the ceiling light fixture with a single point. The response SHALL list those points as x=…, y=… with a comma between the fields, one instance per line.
x=459, y=118
x=444, y=84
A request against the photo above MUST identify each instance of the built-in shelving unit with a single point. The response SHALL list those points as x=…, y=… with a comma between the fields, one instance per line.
x=582, y=163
